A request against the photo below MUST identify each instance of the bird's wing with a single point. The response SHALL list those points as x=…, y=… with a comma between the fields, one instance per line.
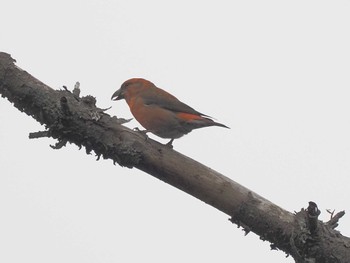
x=167, y=101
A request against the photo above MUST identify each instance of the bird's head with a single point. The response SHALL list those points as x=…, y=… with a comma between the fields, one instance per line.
x=131, y=87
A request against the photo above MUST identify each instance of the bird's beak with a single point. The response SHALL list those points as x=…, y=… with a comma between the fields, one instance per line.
x=118, y=95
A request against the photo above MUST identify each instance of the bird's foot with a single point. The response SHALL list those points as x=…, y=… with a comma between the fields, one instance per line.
x=170, y=144
x=143, y=132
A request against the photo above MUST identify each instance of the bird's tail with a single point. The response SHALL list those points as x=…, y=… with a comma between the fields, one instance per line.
x=214, y=123
x=199, y=121
x=220, y=125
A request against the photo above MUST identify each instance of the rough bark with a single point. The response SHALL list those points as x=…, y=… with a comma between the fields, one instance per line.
x=70, y=118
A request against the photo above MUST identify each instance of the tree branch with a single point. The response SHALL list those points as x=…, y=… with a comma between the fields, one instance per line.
x=69, y=118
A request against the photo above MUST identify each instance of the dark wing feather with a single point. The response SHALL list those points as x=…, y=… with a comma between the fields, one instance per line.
x=165, y=100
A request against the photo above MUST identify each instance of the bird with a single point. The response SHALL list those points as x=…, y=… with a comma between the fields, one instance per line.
x=159, y=112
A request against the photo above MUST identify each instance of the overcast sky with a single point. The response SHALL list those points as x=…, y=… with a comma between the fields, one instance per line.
x=276, y=72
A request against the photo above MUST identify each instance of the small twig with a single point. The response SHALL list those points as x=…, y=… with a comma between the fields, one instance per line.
x=76, y=90
x=333, y=223
x=39, y=134
x=59, y=144
x=103, y=110
x=121, y=120
x=330, y=212
x=239, y=224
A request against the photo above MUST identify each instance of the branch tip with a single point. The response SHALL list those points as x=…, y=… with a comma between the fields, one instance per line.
x=333, y=223
x=39, y=134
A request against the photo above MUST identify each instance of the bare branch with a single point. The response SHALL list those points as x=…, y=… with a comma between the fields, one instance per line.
x=79, y=121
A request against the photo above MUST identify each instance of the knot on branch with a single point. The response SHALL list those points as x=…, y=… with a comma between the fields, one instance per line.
x=89, y=101
x=312, y=214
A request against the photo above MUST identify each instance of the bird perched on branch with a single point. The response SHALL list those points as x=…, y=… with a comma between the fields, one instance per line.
x=160, y=112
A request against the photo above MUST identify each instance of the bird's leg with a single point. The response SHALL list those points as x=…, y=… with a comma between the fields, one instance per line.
x=170, y=144
x=143, y=132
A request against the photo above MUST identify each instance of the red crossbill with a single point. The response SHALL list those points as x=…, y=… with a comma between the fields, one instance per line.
x=160, y=112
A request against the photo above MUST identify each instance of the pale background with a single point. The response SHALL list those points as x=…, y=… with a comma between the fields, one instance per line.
x=276, y=72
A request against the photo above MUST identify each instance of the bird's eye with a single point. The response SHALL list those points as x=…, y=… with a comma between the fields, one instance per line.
x=126, y=85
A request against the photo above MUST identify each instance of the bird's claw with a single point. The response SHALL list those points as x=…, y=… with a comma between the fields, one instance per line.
x=170, y=144
x=143, y=132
